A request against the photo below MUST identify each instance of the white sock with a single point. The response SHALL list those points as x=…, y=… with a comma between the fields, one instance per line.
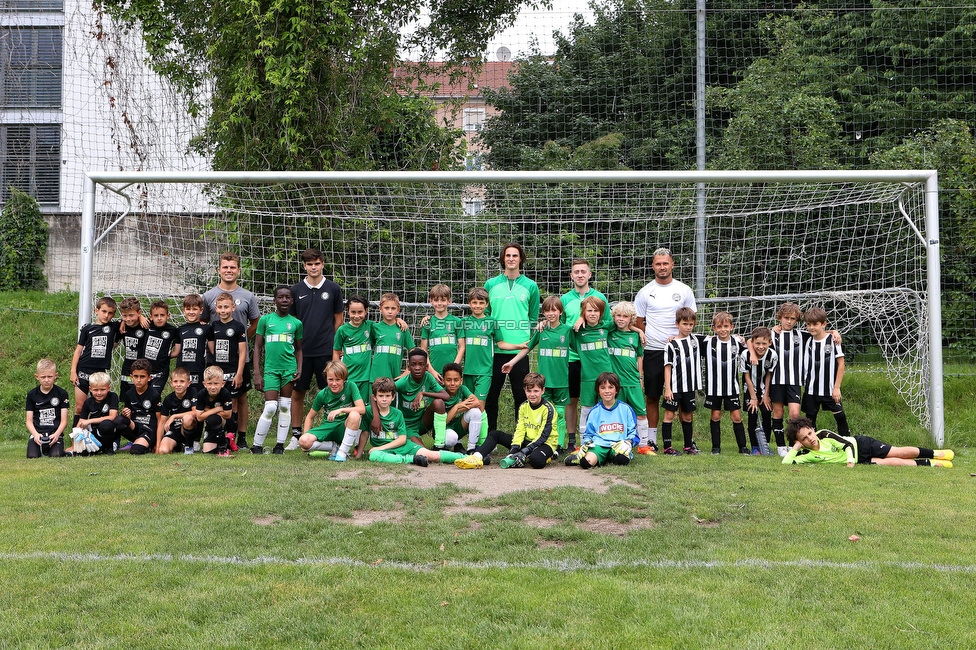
x=450, y=439
x=324, y=445
x=284, y=419
x=349, y=440
x=642, y=430
x=264, y=422
x=584, y=411
x=652, y=435
x=473, y=418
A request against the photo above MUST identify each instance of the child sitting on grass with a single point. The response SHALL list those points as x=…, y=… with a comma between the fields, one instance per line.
x=391, y=444
x=810, y=446
x=611, y=428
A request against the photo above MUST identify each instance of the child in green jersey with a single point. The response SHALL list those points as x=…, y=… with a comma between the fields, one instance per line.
x=464, y=410
x=353, y=344
x=439, y=334
x=390, y=442
x=421, y=400
x=627, y=361
x=811, y=446
x=343, y=407
x=554, y=342
x=590, y=343
x=479, y=344
x=391, y=339
x=278, y=339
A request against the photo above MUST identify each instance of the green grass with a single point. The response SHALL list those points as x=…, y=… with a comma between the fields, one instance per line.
x=177, y=552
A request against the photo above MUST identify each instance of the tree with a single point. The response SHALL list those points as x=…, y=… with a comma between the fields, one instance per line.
x=23, y=243
x=306, y=85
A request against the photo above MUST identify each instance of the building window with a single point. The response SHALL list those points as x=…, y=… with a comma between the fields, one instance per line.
x=32, y=5
x=30, y=65
x=473, y=119
x=31, y=155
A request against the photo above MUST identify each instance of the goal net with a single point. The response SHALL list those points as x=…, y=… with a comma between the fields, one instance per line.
x=857, y=248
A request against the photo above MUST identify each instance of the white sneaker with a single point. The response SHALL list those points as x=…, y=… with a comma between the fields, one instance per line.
x=196, y=446
x=188, y=450
x=293, y=444
x=782, y=451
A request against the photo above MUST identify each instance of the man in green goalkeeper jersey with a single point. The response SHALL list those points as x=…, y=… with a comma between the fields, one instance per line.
x=513, y=303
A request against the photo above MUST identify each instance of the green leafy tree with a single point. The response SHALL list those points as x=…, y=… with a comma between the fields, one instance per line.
x=950, y=147
x=306, y=85
x=23, y=244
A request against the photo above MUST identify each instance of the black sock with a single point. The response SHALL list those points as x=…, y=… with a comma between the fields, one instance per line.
x=739, y=430
x=924, y=452
x=687, y=430
x=666, y=434
x=923, y=462
x=715, y=427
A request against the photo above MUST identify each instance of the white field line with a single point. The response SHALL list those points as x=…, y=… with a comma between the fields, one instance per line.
x=544, y=565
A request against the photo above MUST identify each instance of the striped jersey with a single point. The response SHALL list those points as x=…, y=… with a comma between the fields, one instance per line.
x=757, y=373
x=788, y=345
x=820, y=361
x=684, y=356
x=722, y=367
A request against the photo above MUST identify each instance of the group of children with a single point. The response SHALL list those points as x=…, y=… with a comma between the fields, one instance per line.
x=369, y=397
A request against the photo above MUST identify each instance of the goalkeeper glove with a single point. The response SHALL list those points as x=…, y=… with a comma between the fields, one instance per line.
x=515, y=449
x=622, y=447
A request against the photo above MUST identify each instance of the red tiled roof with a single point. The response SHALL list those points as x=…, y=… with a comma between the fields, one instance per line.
x=493, y=74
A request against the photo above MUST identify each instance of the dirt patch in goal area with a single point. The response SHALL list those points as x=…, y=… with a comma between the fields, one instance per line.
x=491, y=481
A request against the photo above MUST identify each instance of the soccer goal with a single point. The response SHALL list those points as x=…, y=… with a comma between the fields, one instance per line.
x=862, y=245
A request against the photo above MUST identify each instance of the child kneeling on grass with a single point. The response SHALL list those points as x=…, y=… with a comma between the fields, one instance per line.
x=390, y=444
x=611, y=428
x=810, y=446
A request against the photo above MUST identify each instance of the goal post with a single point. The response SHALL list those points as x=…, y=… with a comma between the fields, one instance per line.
x=862, y=244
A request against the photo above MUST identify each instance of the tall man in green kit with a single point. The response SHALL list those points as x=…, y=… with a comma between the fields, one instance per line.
x=513, y=303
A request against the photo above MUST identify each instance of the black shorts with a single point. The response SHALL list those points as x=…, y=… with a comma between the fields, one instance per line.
x=312, y=366
x=574, y=379
x=654, y=373
x=685, y=402
x=782, y=394
x=83, y=377
x=715, y=403
x=245, y=385
x=868, y=448
x=813, y=403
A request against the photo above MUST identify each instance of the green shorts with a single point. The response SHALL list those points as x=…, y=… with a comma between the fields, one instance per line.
x=274, y=380
x=634, y=396
x=588, y=394
x=409, y=448
x=332, y=431
x=365, y=390
x=478, y=385
x=558, y=396
x=603, y=454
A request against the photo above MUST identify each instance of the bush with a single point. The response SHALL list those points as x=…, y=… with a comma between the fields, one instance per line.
x=23, y=244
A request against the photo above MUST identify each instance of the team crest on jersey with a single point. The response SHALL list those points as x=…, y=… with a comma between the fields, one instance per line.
x=398, y=336
x=104, y=408
x=146, y=403
x=562, y=339
x=676, y=297
x=186, y=403
x=288, y=326
x=198, y=331
x=55, y=401
x=106, y=329
x=230, y=331
x=165, y=335
x=238, y=302
x=139, y=334
x=325, y=295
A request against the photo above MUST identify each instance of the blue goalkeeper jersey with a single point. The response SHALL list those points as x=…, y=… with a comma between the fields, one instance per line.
x=606, y=426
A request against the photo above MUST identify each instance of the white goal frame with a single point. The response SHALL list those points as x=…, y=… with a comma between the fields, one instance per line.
x=118, y=181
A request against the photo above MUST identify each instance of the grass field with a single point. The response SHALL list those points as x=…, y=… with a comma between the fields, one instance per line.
x=721, y=551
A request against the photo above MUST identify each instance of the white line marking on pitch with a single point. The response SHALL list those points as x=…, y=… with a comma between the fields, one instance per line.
x=548, y=565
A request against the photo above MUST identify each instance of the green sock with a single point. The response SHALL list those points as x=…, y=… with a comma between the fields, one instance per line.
x=440, y=429
x=448, y=457
x=561, y=426
x=484, y=431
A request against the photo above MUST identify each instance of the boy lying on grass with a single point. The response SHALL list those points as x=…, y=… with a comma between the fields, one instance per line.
x=810, y=446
